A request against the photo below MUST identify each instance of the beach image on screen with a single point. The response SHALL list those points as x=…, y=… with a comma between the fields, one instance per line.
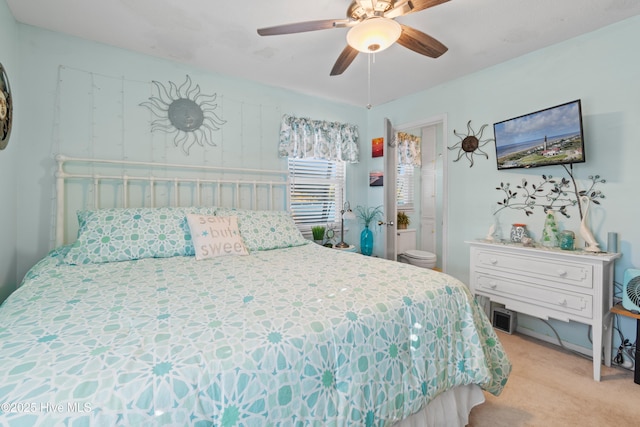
x=552, y=136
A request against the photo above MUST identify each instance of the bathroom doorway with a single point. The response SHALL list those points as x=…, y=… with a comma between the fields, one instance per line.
x=428, y=211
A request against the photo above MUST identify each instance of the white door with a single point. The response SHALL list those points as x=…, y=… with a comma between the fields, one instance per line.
x=389, y=182
x=428, y=208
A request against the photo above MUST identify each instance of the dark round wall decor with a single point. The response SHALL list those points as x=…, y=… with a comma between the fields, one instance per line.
x=470, y=143
x=6, y=108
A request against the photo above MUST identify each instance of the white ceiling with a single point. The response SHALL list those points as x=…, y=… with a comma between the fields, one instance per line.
x=221, y=36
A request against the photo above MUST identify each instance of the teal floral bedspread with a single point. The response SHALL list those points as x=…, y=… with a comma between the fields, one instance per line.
x=298, y=336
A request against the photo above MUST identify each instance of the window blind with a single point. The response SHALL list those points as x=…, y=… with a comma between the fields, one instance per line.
x=316, y=188
x=405, y=187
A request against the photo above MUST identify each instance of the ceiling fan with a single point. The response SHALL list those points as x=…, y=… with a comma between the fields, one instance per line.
x=372, y=29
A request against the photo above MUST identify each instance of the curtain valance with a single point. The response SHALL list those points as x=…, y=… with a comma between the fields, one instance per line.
x=303, y=138
x=408, y=149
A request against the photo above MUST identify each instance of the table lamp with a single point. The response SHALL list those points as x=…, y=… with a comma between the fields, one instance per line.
x=345, y=213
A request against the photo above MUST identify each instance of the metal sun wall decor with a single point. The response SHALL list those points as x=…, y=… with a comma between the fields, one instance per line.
x=185, y=112
x=470, y=143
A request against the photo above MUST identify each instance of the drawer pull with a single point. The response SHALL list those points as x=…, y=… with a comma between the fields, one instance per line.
x=493, y=285
x=562, y=273
x=493, y=261
x=563, y=302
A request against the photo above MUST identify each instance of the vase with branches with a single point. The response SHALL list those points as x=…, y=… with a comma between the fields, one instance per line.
x=366, y=215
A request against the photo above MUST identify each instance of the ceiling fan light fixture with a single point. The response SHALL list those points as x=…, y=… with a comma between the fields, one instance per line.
x=374, y=34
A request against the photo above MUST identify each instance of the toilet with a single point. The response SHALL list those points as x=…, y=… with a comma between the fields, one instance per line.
x=408, y=254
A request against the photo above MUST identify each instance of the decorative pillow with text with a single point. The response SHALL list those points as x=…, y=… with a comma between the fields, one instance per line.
x=215, y=236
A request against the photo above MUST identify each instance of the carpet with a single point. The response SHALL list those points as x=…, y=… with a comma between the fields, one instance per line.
x=550, y=386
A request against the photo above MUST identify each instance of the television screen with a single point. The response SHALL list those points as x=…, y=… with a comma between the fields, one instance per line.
x=547, y=137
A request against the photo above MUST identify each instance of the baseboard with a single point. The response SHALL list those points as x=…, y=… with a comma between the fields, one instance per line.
x=554, y=340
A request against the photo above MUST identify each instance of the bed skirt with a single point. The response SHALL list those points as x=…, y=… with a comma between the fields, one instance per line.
x=450, y=409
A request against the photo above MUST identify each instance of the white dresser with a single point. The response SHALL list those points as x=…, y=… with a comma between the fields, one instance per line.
x=549, y=283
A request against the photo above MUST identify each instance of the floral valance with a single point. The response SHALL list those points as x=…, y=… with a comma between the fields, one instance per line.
x=303, y=138
x=408, y=149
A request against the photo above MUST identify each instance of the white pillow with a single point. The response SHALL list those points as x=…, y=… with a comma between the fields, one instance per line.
x=215, y=236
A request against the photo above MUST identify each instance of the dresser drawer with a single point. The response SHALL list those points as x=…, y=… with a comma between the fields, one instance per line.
x=558, y=300
x=574, y=274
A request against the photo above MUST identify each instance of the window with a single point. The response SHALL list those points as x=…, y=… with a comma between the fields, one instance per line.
x=405, y=187
x=316, y=188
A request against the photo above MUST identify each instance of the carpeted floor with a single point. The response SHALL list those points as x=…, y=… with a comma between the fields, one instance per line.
x=549, y=386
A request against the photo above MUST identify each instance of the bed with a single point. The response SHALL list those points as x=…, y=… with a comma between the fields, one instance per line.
x=103, y=332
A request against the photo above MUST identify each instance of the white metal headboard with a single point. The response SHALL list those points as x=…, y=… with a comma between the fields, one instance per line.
x=83, y=183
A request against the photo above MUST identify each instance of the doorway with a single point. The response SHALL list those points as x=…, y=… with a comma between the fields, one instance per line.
x=429, y=212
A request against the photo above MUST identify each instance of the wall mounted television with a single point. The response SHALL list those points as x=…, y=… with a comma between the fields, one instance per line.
x=552, y=136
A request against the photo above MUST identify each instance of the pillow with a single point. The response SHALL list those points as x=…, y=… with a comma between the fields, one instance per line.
x=215, y=236
x=264, y=230
x=122, y=234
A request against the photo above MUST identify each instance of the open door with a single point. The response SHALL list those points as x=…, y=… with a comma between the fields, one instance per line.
x=390, y=202
x=433, y=186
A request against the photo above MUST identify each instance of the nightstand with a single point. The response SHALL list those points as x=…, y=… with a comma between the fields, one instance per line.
x=619, y=309
x=351, y=248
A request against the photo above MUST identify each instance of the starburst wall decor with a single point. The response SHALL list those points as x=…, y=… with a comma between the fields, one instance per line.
x=470, y=143
x=186, y=113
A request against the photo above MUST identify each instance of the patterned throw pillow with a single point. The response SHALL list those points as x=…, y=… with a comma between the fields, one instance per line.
x=264, y=230
x=122, y=234
x=215, y=236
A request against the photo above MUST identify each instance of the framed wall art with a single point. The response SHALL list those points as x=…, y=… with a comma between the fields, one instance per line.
x=376, y=179
x=377, y=147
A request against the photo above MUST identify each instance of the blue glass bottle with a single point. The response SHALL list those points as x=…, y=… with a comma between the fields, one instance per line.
x=366, y=241
x=567, y=239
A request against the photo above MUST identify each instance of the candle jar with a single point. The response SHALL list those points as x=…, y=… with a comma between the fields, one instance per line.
x=567, y=239
x=518, y=231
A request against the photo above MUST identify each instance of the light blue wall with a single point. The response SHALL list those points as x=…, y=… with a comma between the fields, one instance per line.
x=9, y=158
x=599, y=68
x=83, y=99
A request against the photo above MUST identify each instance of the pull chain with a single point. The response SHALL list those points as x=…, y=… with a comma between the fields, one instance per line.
x=369, y=81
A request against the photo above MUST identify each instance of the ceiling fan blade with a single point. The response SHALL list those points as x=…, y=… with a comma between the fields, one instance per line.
x=344, y=60
x=301, y=27
x=419, y=5
x=421, y=43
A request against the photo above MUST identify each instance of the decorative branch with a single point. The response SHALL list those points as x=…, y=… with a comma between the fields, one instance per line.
x=368, y=214
x=549, y=194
